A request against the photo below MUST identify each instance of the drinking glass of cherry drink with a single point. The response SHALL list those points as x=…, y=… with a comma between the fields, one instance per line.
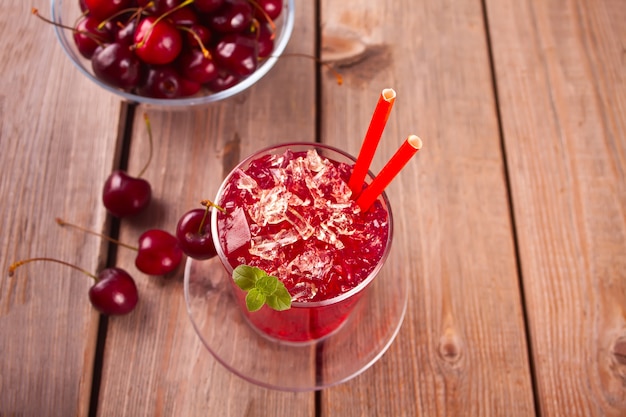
x=288, y=213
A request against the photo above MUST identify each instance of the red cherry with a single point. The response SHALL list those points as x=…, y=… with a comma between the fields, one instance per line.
x=269, y=8
x=157, y=41
x=114, y=292
x=124, y=195
x=162, y=82
x=104, y=9
x=196, y=67
x=207, y=6
x=158, y=7
x=232, y=16
x=158, y=253
x=194, y=234
x=183, y=17
x=197, y=32
x=188, y=87
x=265, y=40
x=115, y=64
x=223, y=81
x=126, y=34
x=88, y=36
x=238, y=54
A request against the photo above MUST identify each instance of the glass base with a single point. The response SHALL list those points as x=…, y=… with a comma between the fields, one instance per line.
x=355, y=346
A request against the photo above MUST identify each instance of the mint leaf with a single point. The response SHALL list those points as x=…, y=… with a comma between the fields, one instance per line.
x=262, y=288
x=246, y=276
x=280, y=300
x=267, y=284
x=255, y=299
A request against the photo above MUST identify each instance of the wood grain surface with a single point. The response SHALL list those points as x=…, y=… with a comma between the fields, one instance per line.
x=510, y=224
x=58, y=135
x=560, y=68
x=462, y=349
x=153, y=359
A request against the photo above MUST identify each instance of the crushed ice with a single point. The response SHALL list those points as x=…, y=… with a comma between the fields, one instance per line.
x=318, y=204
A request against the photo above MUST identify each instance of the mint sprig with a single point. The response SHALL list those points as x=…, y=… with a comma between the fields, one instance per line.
x=262, y=288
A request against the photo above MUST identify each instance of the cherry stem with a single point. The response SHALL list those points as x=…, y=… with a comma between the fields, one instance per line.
x=158, y=19
x=256, y=28
x=93, y=36
x=205, y=51
x=270, y=21
x=17, y=264
x=136, y=13
x=209, y=203
x=204, y=216
x=35, y=11
x=63, y=223
x=319, y=61
x=149, y=128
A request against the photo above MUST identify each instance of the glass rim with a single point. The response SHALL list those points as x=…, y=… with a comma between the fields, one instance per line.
x=179, y=103
x=305, y=304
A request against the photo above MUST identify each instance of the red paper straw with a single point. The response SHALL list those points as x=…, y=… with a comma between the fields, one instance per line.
x=372, y=137
x=409, y=148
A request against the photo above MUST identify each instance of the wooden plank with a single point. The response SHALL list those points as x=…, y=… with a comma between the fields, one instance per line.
x=562, y=91
x=154, y=363
x=58, y=135
x=462, y=348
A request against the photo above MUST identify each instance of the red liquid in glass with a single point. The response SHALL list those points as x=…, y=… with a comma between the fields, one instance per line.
x=292, y=216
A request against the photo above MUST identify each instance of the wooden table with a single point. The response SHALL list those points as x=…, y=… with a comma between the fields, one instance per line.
x=511, y=222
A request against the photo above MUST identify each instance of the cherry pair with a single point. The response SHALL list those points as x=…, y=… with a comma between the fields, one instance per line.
x=114, y=291
x=158, y=253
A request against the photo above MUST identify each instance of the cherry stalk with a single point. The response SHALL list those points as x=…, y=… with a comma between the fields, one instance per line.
x=194, y=232
x=114, y=291
x=124, y=195
x=158, y=252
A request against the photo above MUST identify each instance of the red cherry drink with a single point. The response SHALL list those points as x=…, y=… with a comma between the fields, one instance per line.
x=290, y=212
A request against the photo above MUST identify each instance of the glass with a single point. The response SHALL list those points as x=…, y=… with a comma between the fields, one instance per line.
x=310, y=346
x=304, y=321
x=68, y=11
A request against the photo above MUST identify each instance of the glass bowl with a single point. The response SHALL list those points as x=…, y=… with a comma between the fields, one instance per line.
x=68, y=11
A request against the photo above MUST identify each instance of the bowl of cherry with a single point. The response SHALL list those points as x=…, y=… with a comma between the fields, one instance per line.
x=174, y=53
